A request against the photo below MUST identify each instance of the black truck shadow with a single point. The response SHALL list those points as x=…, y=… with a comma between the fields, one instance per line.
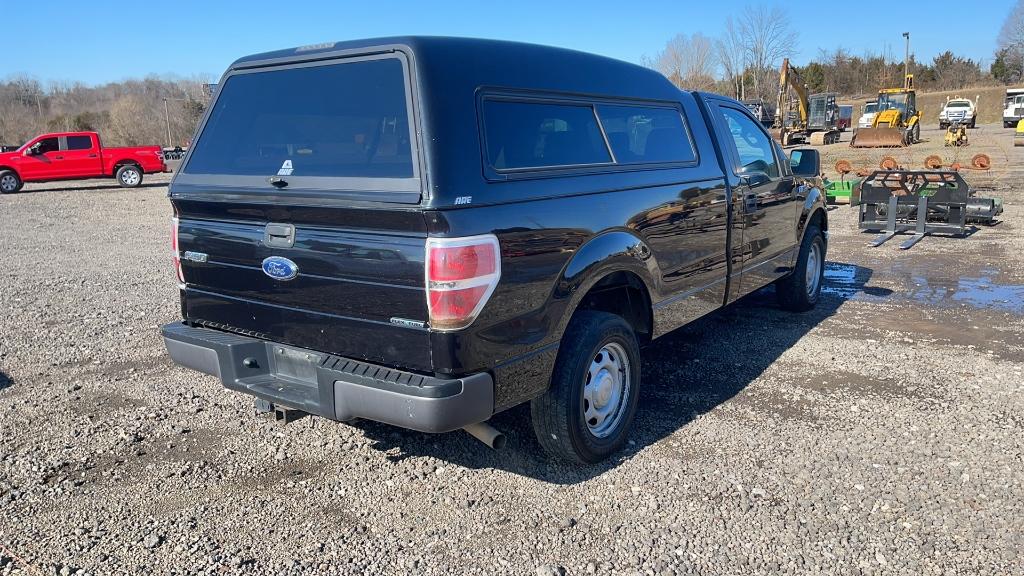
x=55, y=187
x=686, y=373
x=5, y=381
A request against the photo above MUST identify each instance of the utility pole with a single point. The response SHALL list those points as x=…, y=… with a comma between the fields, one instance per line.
x=167, y=119
x=906, y=58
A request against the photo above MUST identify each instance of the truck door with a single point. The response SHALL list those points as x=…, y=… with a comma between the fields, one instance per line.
x=81, y=157
x=767, y=198
x=45, y=163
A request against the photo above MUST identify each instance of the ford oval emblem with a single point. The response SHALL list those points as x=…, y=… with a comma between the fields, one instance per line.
x=280, y=268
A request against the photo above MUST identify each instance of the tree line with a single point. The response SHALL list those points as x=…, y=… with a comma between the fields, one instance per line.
x=127, y=113
x=743, y=61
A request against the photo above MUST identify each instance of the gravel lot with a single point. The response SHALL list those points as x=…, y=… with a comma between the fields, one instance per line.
x=879, y=434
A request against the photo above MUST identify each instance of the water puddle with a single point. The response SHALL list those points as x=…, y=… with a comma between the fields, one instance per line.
x=849, y=281
x=980, y=292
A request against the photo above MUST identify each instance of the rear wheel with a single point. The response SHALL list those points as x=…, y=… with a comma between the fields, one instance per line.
x=801, y=289
x=129, y=176
x=585, y=415
x=9, y=182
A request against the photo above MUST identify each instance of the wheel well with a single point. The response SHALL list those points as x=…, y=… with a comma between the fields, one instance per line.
x=3, y=168
x=623, y=294
x=119, y=163
x=819, y=218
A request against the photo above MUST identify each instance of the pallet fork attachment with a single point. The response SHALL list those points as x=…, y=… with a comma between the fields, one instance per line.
x=920, y=201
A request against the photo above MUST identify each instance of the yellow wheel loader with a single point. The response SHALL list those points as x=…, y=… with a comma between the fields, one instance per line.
x=897, y=123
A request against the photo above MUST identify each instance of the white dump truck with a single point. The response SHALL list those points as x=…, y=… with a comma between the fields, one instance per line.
x=1013, y=107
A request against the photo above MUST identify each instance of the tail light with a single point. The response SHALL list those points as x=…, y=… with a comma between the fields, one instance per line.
x=175, y=255
x=461, y=275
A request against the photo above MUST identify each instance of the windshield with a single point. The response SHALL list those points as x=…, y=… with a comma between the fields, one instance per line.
x=871, y=108
x=347, y=120
x=958, y=104
x=893, y=102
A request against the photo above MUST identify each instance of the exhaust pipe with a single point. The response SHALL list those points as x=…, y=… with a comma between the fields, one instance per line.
x=487, y=434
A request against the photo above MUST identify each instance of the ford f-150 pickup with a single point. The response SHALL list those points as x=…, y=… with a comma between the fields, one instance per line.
x=428, y=231
x=73, y=156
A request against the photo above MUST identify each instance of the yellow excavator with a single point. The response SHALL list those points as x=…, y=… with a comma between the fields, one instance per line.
x=815, y=119
x=897, y=123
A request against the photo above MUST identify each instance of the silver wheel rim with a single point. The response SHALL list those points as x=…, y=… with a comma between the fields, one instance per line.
x=130, y=177
x=8, y=183
x=813, y=273
x=606, y=390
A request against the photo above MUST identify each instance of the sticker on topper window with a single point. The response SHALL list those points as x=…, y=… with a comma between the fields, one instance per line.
x=286, y=169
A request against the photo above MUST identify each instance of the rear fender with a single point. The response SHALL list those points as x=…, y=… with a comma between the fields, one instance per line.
x=616, y=251
x=122, y=161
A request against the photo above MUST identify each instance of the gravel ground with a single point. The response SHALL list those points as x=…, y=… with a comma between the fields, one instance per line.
x=879, y=434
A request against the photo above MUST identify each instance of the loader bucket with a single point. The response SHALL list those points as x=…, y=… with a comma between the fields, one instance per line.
x=882, y=137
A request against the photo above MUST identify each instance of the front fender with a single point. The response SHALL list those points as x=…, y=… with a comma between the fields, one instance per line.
x=813, y=201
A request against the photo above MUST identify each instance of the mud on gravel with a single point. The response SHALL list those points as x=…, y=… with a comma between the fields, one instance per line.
x=878, y=434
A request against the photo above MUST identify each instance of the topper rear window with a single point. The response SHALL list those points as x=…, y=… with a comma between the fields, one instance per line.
x=345, y=120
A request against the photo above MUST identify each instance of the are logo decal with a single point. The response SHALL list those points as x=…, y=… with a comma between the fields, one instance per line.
x=286, y=169
x=280, y=268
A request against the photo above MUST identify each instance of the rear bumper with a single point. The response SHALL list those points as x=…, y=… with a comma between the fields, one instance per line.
x=331, y=386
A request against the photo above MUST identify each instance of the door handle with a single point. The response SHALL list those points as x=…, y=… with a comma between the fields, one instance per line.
x=58, y=157
x=92, y=155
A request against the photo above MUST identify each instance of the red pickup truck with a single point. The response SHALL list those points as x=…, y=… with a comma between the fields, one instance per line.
x=76, y=155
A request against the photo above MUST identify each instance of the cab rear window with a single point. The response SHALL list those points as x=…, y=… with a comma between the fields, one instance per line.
x=345, y=120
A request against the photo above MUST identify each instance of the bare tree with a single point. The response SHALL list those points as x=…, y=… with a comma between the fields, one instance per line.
x=729, y=48
x=128, y=122
x=688, y=61
x=767, y=39
x=1011, y=38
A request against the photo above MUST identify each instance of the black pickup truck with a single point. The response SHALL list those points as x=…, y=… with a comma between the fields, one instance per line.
x=428, y=231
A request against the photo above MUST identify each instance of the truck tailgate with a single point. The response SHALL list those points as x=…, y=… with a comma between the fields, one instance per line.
x=358, y=269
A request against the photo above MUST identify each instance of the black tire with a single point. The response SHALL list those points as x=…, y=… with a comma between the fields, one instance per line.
x=129, y=176
x=793, y=292
x=943, y=125
x=9, y=182
x=973, y=122
x=558, y=415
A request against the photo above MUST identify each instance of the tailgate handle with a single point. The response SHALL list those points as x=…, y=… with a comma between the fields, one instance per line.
x=279, y=235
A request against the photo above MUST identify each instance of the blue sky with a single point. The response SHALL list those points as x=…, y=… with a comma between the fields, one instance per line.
x=95, y=41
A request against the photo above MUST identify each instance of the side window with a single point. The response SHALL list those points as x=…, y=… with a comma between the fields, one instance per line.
x=787, y=167
x=645, y=134
x=542, y=135
x=48, y=145
x=753, y=147
x=79, y=142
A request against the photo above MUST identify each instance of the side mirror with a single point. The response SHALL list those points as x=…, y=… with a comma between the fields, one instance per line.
x=805, y=162
x=34, y=149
